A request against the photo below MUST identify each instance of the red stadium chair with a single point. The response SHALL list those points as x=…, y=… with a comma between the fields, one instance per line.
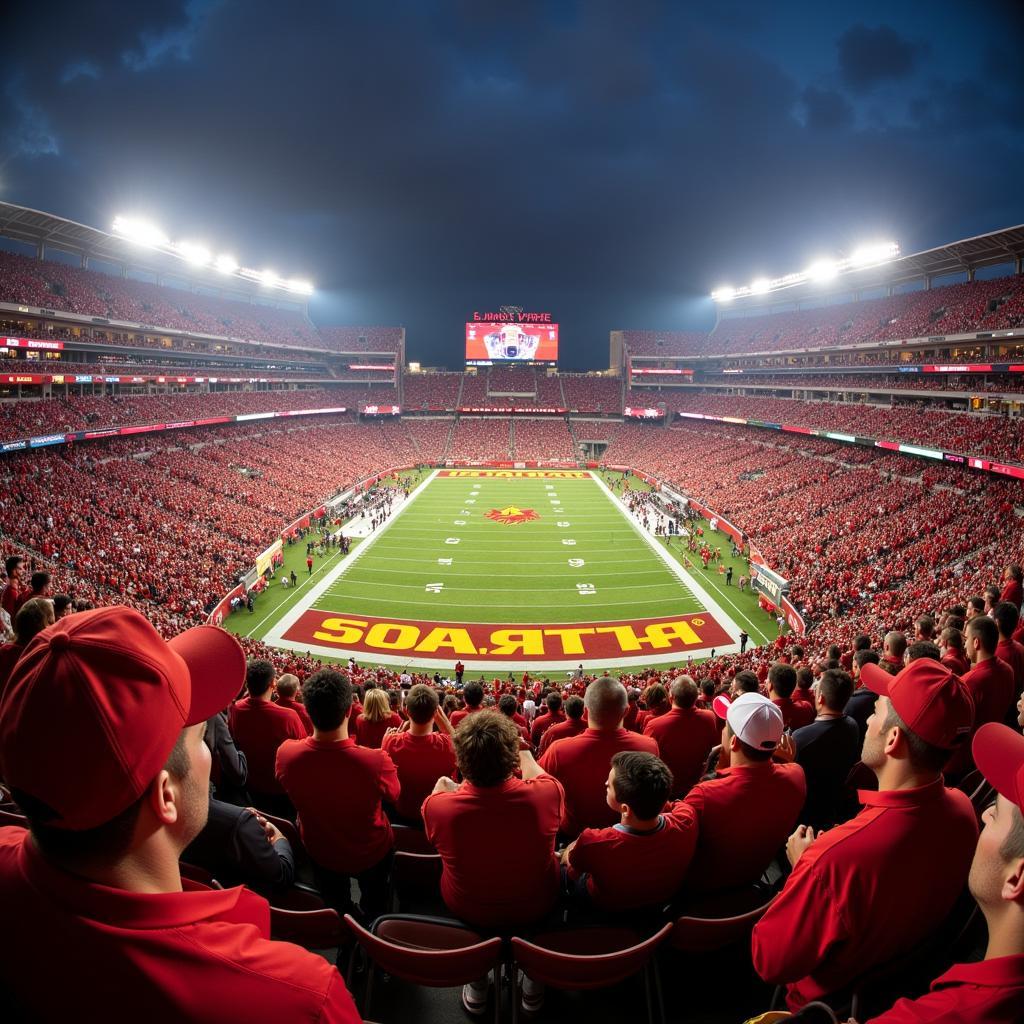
x=703, y=934
x=313, y=929
x=414, y=875
x=590, y=958
x=430, y=951
x=411, y=840
x=198, y=874
x=13, y=818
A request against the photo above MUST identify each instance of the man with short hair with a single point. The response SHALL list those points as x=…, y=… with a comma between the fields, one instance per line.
x=259, y=727
x=893, y=648
x=572, y=726
x=580, y=763
x=862, y=703
x=287, y=690
x=746, y=811
x=101, y=738
x=990, y=679
x=39, y=586
x=1006, y=616
x=744, y=681
x=1012, y=590
x=473, y=695
x=420, y=754
x=31, y=619
x=640, y=862
x=827, y=749
x=975, y=607
x=338, y=789
x=951, y=649
x=824, y=929
x=990, y=991
x=781, y=684
x=684, y=736
x=924, y=628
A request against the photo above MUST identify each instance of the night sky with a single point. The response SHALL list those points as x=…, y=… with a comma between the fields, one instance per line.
x=608, y=162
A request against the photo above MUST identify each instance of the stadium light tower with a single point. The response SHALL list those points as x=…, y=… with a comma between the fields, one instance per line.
x=821, y=271
x=197, y=254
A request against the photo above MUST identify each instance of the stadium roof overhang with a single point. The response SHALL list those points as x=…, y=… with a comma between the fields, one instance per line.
x=36, y=228
x=969, y=254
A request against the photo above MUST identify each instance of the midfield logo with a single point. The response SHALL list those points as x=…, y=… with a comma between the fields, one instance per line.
x=511, y=515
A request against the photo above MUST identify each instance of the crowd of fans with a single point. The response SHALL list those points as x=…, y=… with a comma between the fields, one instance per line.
x=542, y=439
x=431, y=391
x=481, y=438
x=974, y=384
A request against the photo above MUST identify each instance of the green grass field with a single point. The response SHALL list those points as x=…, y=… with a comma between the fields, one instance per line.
x=569, y=557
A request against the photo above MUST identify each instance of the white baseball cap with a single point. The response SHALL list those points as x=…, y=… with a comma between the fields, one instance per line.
x=754, y=720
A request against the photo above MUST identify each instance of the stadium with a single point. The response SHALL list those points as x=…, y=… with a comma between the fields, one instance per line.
x=681, y=683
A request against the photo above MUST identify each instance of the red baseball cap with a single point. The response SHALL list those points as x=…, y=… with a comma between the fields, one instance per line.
x=96, y=703
x=930, y=699
x=999, y=754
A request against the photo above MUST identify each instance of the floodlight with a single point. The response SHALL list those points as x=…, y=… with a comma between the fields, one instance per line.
x=760, y=286
x=195, y=253
x=299, y=286
x=140, y=231
x=269, y=278
x=227, y=264
x=876, y=252
x=822, y=270
x=723, y=294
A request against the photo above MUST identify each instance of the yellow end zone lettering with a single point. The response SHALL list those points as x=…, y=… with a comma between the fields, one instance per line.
x=453, y=638
x=379, y=633
x=508, y=641
x=570, y=637
x=340, y=631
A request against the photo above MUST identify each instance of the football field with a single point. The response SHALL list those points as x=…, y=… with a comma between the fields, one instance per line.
x=508, y=569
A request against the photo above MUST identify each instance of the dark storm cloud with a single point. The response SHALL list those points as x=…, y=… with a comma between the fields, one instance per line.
x=418, y=160
x=868, y=56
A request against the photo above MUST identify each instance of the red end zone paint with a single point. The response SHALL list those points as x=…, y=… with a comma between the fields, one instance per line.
x=441, y=641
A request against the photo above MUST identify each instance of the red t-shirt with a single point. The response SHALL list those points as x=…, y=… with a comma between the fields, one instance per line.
x=561, y=730
x=9, y=597
x=259, y=728
x=685, y=737
x=745, y=815
x=991, y=685
x=956, y=662
x=458, y=716
x=1013, y=654
x=420, y=761
x=581, y=763
x=299, y=709
x=795, y=713
x=630, y=870
x=542, y=723
x=337, y=788
x=370, y=734
x=988, y=992
x=1012, y=592
x=497, y=845
x=825, y=928
x=198, y=955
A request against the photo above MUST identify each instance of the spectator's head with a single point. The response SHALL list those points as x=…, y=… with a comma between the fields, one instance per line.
x=684, y=692
x=745, y=682
x=639, y=783
x=473, y=694
x=40, y=584
x=486, y=748
x=12, y=566
x=376, y=706
x=834, y=652
x=975, y=607
x=327, y=695
x=782, y=679
x=656, y=697
x=61, y=606
x=952, y=639
x=1006, y=616
x=288, y=686
x=924, y=628
x=753, y=728
x=921, y=716
x=895, y=645
x=259, y=677
x=996, y=880
x=101, y=736
x=1013, y=573
x=834, y=690
x=862, y=658
x=554, y=702
x=451, y=704
x=507, y=705
x=982, y=638
x=991, y=597
x=707, y=690
x=862, y=643
x=796, y=653
x=606, y=703
x=32, y=618
x=421, y=704
x=804, y=678
x=922, y=649
x=574, y=707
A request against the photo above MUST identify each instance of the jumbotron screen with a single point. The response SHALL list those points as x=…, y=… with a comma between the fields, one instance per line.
x=511, y=343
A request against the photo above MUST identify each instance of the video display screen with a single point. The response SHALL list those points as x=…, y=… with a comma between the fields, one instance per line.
x=488, y=343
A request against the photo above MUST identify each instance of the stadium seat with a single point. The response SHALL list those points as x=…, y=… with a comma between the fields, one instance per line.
x=198, y=874
x=591, y=958
x=313, y=929
x=429, y=951
x=692, y=934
